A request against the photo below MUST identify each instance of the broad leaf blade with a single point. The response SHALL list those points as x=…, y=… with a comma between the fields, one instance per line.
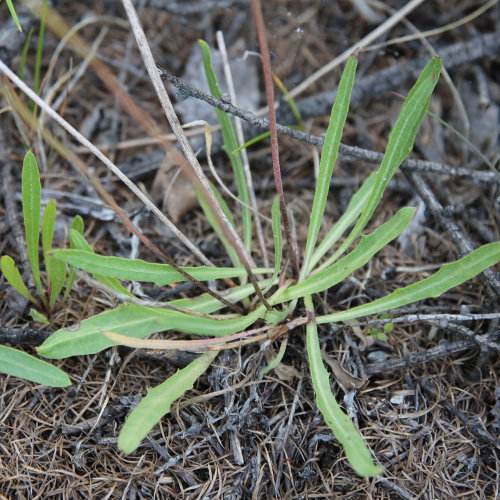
x=355, y=448
x=158, y=401
x=367, y=247
x=139, y=321
x=328, y=158
x=140, y=270
x=31, y=189
x=12, y=275
x=136, y=321
x=401, y=140
x=22, y=365
x=449, y=276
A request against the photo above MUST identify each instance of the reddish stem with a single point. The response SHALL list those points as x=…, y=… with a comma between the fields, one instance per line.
x=268, y=81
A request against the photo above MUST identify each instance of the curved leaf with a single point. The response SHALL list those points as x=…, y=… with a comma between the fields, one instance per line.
x=12, y=275
x=355, y=448
x=158, y=401
x=449, y=276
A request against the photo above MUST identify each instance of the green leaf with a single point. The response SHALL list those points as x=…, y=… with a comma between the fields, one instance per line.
x=78, y=242
x=24, y=55
x=277, y=236
x=355, y=207
x=140, y=270
x=22, y=365
x=158, y=401
x=12, y=275
x=355, y=448
x=56, y=270
x=401, y=140
x=39, y=47
x=367, y=247
x=230, y=145
x=48, y=223
x=135, y=321
x=13, y=13
x=328, y=158
x=38, y=316
x=58, y=276
x=76, y=226
x=449, y=276
x=214, y=222
x=277, y=360
x=139, y=321
x=31, y=189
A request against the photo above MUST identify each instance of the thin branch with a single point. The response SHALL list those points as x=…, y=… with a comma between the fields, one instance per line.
x=348, y=152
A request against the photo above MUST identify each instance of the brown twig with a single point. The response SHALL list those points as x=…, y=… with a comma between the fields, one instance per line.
x=268, y=80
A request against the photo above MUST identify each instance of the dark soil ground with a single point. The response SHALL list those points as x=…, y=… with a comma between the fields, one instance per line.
x=430, y=408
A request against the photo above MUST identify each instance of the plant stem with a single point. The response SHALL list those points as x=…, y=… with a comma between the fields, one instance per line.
x=268, y=80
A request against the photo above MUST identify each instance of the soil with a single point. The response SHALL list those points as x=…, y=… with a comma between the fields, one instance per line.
x=429, y=407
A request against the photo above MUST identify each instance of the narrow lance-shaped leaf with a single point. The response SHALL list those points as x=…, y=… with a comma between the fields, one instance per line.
x=158, y=402
x=48, y=223
x=78, y=242
x=355, y=207
x=230, y=145
x=139, y=321
x=13, y=13
x=401, y=140
x=328, y=158
x=449, y=276
x=31, y=189
x=22, y=365
x=12, y=275
x=367, y=247
x=356, y=451
x=140, y=270
x=77, y=226
x=215, y=223
x=56, y=270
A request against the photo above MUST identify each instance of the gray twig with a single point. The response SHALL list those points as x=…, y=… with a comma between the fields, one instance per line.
x=347, y=151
